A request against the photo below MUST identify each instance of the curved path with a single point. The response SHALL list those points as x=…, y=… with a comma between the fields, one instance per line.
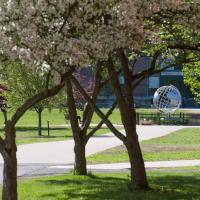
x=42, y=158
x=62, y=151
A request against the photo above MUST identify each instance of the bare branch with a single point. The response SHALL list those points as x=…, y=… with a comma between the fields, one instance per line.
x=183, y=46
x=88, y=111
x=38, y=97
x=2, y=145
x=48, y=79
x=97, y=110
x=92, y=132
x=150, y=69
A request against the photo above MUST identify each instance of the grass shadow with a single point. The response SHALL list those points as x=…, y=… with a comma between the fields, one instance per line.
x=114, y=188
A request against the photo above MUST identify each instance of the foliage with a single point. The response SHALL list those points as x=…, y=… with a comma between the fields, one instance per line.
x=192, y=79
x=71, y=32
x=167, y=185
x=60, y=36
x=87, y=82
x=23, y=84
x=3, y=90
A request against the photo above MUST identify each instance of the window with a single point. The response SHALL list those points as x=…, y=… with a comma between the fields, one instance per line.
x=154, y=82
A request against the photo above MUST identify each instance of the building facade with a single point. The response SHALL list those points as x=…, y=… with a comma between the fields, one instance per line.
x=143, y=94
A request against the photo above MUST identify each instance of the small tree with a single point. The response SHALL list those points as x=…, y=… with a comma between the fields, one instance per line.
x=125, y=33
x=25, y=86
x=88, y=84
x=3, y=101
x=28, y=33
x=80, y=128
x=192, y=79
x=65, y=35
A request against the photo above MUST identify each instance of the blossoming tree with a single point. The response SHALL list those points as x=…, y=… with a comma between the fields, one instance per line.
x=62, y=35
x=81, y=128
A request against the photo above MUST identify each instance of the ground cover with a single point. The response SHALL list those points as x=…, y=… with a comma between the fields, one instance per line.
x=165, y=186
x=56, y=117
x=27, y=126
x=180, y=145
x=30, y=118
x=28, y=135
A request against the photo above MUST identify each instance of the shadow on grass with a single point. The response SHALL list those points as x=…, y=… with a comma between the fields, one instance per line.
x=35, y=128
x=21, y=129
x=114, y=188
x=44, y=137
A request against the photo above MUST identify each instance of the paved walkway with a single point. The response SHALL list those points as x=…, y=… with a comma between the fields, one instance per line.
x=57, y=157
x=118, y=166
x=62, y=151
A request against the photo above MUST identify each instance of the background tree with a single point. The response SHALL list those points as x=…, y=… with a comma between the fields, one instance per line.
x=69, y=34
x=81, y=128
x=8, y=145
x=126, y=39
x=3, y=101
x=29, y=34
x=23, y=84
x=191, y=76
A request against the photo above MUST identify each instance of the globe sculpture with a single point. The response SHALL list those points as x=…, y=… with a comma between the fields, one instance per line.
x=167, y=99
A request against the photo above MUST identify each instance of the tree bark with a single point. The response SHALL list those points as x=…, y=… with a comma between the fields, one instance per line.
x=80, y=166
x=138, y=173
x=128, y=116
x=39, y=123
x=10, y=165
x=5, y=115
x=79, y=136
x=39, y=112
x=8, y=146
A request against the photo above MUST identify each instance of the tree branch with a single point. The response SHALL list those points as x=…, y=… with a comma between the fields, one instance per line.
x=88, y=111
x=48, y=79
x=36, y=98
x=150, y=69
x=72, y=110
x=2, y=145
x=185, y=47
x=127, y=77
x=92, y=132
x=97, y=110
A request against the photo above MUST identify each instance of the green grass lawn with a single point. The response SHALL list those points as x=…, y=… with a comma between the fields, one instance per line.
x=27, y=126
x=27, y=135
x=180, y=145
x=165, y=186
x=55, y=117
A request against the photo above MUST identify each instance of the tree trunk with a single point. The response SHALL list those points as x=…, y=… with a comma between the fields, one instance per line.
x=39, y=112
x=128, y=116
x=9, y=191
x=39, y=123
x=8, y=146
x=5, y=116
x=78, y=135
x=138, y=173
x=80, y=166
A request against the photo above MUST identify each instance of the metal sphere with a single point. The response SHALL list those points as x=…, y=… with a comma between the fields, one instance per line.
x=167, y=99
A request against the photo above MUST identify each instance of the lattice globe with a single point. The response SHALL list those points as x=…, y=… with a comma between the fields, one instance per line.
x=167, y=99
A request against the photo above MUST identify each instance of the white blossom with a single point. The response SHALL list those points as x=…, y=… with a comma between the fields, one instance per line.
x=63, y=33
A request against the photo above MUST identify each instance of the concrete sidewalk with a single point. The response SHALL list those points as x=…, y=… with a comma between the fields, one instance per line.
x=50, y=158
x=119, y=166
x=62, y=151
